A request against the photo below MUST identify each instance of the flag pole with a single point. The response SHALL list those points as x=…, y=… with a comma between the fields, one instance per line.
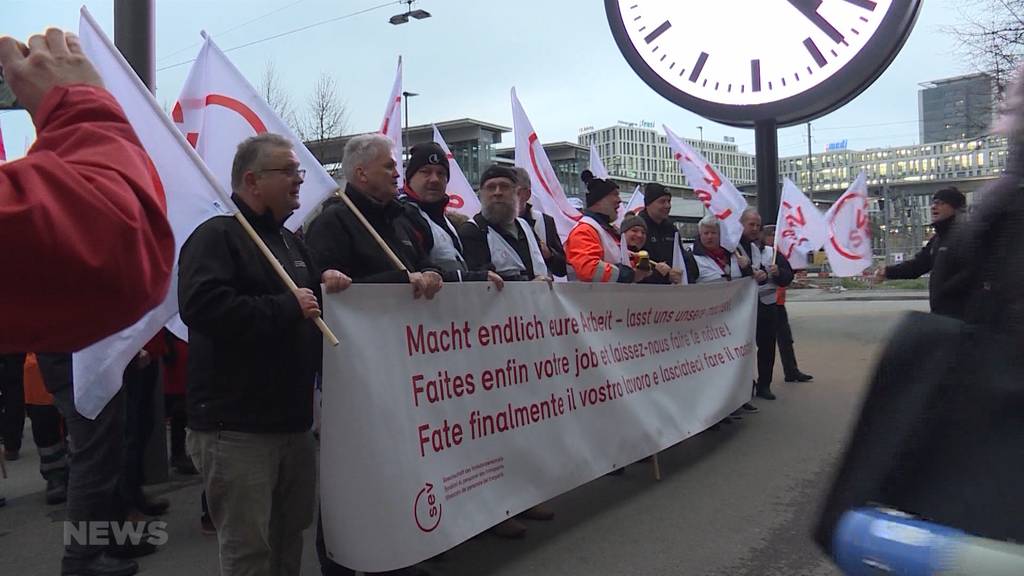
x=380, y=241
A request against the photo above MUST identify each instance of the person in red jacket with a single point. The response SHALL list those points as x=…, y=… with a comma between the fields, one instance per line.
x=83, y=226
x=593, y=248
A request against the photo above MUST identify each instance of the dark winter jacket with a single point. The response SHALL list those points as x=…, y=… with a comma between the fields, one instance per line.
x=659, y=247
x=556, y=263
x=252, y=356
x=949, y=283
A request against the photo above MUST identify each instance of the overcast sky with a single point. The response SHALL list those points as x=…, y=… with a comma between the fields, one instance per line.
x=560, y=55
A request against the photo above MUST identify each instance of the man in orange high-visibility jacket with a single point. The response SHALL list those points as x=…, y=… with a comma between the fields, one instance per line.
x=593, y=248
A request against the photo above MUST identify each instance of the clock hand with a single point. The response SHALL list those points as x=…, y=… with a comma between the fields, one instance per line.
x=809, y=8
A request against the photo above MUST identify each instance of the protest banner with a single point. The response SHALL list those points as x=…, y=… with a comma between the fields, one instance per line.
x=443, y=418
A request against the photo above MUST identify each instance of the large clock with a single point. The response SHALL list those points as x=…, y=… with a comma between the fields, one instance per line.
x=744, y=61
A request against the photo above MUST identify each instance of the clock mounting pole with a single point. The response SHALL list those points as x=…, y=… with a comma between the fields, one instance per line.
x=766, y=150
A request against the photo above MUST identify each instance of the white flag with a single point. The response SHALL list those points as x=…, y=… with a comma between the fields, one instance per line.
x=218, y=109
x=548, y=195
x=800, y=228
x=712, y=188
x=634, y=206
x=461, y=197
x=849, y=234
x=678, y=262
x=391, y=126
x=596, y=166
x=192, y=195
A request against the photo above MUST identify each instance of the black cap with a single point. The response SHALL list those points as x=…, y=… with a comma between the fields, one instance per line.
x=951, y=196
x=429, y=153
x=497, y=171
x=596, y=187
x=653, y=191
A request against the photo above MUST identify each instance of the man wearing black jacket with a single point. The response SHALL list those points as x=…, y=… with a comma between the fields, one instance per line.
x=253, y=356
x=340, y=241
x=550, y=243
x=661, y=235
x=949, y=283
x=771, y=271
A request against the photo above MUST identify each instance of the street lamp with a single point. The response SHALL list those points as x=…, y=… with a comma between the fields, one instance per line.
x=701, y=130
x=405, y=99
x=404, y=16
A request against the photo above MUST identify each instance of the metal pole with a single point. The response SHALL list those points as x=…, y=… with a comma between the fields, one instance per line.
x=810, y=166
x=134, y=36
x=766, y=149
x=406, y=100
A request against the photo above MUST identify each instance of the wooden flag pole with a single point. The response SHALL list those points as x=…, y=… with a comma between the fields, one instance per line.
x=656, y=466
x=362, y=220
x=281, y=273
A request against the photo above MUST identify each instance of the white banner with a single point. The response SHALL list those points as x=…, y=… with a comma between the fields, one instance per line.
x=218, y=109
x=461, y=197
x=480, y=404
x=849, y=232
x=712, y=188
x=800, y=227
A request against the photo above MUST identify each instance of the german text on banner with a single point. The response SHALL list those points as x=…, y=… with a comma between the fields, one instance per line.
x=480, y=404
x=192, y=197
x=461, y=197
x=218, y=109
x=548, y=195
x=800, y=227
x=391, y=126
x=712, y=187
x=848, y=246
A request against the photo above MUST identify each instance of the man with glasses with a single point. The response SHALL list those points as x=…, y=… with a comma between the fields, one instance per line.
x=544, y=225
x=946, y=288
x=253, y=356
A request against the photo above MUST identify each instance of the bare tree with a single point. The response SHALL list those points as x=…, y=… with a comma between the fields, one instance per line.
x=271, y=88
x=326, y=113
x=990, y=35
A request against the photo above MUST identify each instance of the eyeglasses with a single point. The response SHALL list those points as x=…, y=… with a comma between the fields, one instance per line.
x=290, y=172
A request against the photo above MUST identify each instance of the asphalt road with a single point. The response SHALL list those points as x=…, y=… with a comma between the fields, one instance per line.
x=735, y=502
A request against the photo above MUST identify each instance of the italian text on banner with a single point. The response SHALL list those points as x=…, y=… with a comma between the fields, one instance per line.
x=443, y=418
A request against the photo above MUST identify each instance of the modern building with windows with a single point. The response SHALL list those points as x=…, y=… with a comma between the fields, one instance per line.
x=957, y=108
x=643, y=153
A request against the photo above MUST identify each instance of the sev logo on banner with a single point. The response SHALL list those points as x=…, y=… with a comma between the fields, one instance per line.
x=486, y=403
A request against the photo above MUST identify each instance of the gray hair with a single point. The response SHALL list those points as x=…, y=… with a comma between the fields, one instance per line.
x=361, y=150
x=522, y=176
x=747, y=212
x=708, y=221
x=250, y=153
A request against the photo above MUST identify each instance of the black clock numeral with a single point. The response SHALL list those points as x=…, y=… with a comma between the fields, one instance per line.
x=819, y=58
x=865, y=4
x=809, y=8
x=699, y=66
x=657, y=32
x=755, y=75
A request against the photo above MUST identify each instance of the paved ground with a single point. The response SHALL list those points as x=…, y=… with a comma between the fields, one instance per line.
x=739, y=502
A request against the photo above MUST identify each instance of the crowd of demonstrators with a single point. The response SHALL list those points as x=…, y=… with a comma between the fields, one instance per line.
x=543, y=224
x=949, y=282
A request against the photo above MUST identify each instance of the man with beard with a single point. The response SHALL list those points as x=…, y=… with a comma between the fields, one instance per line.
x=496, y=239
x=544, y=225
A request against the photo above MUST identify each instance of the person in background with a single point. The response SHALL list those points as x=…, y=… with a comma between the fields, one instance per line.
x=787, y=354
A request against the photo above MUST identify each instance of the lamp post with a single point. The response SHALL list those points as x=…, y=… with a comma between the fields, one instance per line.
x=405, y=100
x=403, y=17
x=701, y=130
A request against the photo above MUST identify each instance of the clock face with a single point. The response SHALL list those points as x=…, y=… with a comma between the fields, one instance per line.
x=739, y=61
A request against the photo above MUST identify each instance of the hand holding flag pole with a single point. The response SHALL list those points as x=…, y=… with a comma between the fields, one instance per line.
x=380, y=241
